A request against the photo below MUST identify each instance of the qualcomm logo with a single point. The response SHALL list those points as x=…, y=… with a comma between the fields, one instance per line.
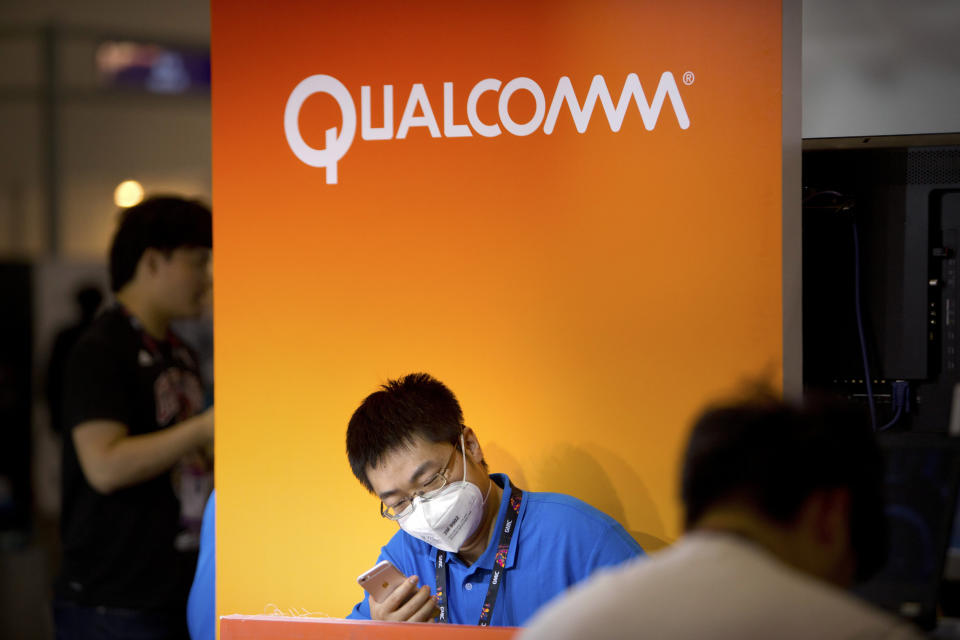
x=338, y=141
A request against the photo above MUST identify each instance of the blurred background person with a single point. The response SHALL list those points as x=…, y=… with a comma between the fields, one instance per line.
x=100, y=104
x=88, y=299
x=202, y=602
x=134, y=409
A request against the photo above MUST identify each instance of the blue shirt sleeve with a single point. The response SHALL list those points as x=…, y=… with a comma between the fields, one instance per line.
x=202, y=603
x=615, y=547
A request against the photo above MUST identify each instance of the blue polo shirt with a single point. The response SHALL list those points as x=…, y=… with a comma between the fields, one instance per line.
x=558, y=542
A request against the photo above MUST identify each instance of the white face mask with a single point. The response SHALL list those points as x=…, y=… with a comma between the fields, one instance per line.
x=449, y=518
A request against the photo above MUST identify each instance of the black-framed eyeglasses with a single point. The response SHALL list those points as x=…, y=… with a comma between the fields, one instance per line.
x=427, y=492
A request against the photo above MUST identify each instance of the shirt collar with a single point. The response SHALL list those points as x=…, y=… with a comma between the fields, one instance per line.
x=485, y=561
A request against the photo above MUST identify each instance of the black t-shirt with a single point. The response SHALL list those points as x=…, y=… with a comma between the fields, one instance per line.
x=118, y=549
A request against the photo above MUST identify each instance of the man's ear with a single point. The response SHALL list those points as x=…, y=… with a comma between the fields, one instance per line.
x=472, y=445
x=150, y=261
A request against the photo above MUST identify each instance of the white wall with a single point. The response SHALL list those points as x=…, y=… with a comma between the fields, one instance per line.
x=186, y=19
x=880, y=67
x=104, y=138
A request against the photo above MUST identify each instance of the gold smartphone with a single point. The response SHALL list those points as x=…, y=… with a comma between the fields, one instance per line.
x=381, y=580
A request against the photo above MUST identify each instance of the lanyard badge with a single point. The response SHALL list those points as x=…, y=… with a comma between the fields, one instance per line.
x=499, y=564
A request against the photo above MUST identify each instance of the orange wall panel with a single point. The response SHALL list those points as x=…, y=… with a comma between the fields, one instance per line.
x=582, y=293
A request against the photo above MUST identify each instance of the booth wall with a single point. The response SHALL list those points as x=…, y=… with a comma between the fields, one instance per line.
x=583, y=294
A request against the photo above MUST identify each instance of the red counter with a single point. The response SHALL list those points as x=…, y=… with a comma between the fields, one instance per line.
x=279, y=628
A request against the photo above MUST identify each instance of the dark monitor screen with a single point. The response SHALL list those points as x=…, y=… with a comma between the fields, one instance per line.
x=922, y=472
x=952, y=570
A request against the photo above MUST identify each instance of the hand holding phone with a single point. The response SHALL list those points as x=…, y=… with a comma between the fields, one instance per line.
x=395, y=597
x=381, y=580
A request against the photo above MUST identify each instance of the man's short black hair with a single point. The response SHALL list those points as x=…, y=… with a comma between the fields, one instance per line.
x=161, y=222
x=776, y=455
x=395, y=415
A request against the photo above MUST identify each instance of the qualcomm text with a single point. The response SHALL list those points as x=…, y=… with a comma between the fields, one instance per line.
x=418, y=112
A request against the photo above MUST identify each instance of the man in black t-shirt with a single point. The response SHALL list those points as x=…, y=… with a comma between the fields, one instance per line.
x=133, y=409
x=88, y=301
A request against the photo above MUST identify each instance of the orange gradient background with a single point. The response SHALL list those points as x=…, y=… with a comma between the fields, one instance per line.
x=582, y=294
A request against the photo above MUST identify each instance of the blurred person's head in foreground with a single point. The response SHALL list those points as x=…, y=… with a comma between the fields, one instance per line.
x=160, y=258
x=803, y=481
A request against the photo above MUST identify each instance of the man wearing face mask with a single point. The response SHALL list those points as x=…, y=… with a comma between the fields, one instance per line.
x=476, y=549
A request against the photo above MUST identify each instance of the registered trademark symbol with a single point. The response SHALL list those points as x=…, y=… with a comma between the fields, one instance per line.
x=688, y=78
